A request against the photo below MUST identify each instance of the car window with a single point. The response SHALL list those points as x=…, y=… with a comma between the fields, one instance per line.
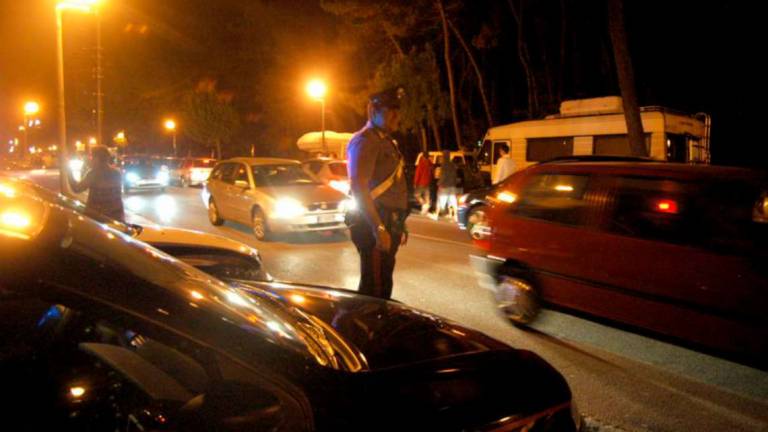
x=221, y=263
x=241, y=174
x=281, y=175
x=338, y=168
x=716, y=215
x=95, y=368
x=224, y=172
x=554, y=198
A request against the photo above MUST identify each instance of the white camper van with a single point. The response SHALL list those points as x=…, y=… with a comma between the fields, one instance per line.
x=335, y=143
x=598, y=127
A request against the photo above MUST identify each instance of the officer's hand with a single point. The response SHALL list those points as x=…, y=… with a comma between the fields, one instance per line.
x=383, y=241
x=404, y=238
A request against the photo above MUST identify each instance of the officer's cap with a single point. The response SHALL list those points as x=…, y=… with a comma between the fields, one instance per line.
x=389, y=98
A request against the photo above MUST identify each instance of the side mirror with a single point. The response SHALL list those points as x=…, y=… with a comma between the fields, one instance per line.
x=242, y=184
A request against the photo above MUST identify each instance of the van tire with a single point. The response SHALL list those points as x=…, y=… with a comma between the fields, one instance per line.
x=517, y=296
x=213, y=214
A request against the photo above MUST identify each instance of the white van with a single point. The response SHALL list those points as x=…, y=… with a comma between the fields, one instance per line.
x=598, y=127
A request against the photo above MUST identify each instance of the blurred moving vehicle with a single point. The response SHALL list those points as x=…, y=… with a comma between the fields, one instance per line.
x=219, y=256
x=144, y=173
x=272, y=196
x=194, y=171
x=472, y=212
x=102, y=332
x=672, y=249
x=332, y=172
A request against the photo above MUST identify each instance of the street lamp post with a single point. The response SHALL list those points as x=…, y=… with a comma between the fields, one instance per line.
x=85, y=6
x=170, y=126
x=317, y=90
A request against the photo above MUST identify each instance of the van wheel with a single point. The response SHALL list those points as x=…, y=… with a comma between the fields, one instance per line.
x=517, y=297
x=259, y=225
x=213, y=214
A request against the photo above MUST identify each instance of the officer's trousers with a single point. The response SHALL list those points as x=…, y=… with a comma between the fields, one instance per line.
x=376, y=265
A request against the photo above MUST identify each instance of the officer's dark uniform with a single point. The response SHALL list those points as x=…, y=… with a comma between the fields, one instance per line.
x=373, y=152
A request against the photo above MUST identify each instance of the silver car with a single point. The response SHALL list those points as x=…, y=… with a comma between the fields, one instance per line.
x=273, y=196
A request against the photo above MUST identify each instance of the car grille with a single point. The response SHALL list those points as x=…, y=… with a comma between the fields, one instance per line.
x=321, y=206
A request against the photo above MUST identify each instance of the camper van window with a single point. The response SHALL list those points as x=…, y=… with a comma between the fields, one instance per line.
x=542, y=149
x=677, y=148
x=617, y=144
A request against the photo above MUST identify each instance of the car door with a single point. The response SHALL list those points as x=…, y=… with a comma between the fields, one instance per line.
x=239, y=194
x=218, y=186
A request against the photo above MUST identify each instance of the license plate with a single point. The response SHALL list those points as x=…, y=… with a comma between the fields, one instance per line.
x=327, y=218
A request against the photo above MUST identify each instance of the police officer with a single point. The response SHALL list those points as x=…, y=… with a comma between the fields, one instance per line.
x=378, y=184
x=103, y=183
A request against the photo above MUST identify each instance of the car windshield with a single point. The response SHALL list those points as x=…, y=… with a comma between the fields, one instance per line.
x=204, y=163
x=281, y=175
x=139, y=163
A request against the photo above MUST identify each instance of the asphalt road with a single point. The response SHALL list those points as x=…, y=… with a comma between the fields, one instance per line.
x=621, y=381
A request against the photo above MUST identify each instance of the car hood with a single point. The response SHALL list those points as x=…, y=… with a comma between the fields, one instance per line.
x=159, y=235
x=305, y=194
x=436, y=373
x=382, y=333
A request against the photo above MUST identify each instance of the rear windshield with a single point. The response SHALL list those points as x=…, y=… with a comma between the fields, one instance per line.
x=148, y=163
x=204, y=163
x=338, y=168
x=281, y=175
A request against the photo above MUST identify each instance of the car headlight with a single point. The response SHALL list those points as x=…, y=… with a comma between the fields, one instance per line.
x=163, y=176
x=132, y=177
x=340, y=185
x=348, y=205
x=288, y=208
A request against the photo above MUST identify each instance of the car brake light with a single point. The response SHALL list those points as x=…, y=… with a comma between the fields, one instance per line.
x=760, y=212
x=666, y=206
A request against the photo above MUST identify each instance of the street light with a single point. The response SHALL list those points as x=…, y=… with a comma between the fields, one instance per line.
x=170, y=126
x=84, y=6
x=317, y=89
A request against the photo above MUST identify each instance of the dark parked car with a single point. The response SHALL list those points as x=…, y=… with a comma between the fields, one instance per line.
x=99, y=331
x=672, y=249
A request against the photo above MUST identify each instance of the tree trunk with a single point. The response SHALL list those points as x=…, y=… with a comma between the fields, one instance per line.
x=435, y=127
x=478, y=73
x=626, y=77
x=525, y=59
x=218, y=149
x=424, y=142
x=449, y=70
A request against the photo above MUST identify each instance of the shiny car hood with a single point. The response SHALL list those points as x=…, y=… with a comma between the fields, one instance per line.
x=383, y=333
x=305, y=194
x=156, y=234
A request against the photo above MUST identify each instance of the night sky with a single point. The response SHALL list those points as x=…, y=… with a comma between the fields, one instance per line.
x=688, y=55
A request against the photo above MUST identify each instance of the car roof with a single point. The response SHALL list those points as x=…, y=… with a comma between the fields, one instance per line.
x=325, y=160
x=262, y=160
x=653, y=169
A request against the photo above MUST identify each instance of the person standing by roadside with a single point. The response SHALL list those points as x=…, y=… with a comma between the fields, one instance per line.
x=375, y=166
x=421, y=182
x=446, y=186
x=505, y=164
x=103, y=183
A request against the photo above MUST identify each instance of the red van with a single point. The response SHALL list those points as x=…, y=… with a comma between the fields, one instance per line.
x=673, y=249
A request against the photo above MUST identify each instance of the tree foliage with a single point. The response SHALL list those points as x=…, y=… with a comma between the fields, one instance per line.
x=208, y=116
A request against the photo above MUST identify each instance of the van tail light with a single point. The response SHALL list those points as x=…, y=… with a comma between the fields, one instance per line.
x=666, y=206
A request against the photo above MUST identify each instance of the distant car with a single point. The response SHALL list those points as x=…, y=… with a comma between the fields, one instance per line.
x=471, y=214
x=332, y=172
x=194, y=171
x=144, y=173
x=219, y=256
x=102, y=332
x=273, y=196
x=173, y=165
x=672, y=249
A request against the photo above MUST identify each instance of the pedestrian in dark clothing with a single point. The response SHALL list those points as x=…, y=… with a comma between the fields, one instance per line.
x=421, y=182
x=104, y=185
x=376, y=178
x=447, y=186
